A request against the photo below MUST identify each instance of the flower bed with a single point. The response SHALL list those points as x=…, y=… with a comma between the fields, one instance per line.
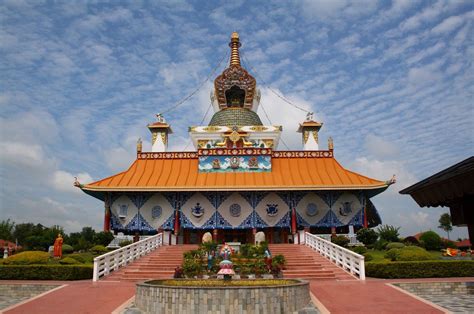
x=194, y=296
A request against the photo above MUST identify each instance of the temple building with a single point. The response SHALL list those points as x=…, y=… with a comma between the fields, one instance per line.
x=236, y=182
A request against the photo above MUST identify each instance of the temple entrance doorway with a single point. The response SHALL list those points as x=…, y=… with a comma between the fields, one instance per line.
x=272, y=235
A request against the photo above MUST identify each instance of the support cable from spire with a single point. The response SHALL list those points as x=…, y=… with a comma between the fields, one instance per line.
x=179, y=103
x=268, y=86
x=268, y=118
x=202, y=121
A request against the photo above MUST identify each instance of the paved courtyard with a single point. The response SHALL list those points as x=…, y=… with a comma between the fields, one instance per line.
x=371, y=296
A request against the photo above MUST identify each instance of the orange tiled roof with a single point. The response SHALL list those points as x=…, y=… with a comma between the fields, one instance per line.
x=288, y=173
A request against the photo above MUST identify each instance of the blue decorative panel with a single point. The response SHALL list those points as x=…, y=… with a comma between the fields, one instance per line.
x=183, y=197
x=248, y=196
x=211, y=223
x=258, y=222
x=235, y=164
x=297, y=197
x=286, y=197
x=285, y=221
x=185, y=222
x=169, y=223
x=156, y=212
x=329, y=220
x=222, y=223
x=115, y=222
x=358, y=219
x=171, y=198
x=139, y=199
x=138, y=223
x=258, y=197
x=300, y=221
x=247, y=223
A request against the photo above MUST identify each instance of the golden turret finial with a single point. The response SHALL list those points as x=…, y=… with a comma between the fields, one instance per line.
x=234, y=52
x=139, y=145
x=330, y=143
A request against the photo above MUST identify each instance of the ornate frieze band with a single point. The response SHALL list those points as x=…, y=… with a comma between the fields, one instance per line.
x=237, y=152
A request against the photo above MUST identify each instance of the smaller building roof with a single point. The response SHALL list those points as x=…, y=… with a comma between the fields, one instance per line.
x=445, y=186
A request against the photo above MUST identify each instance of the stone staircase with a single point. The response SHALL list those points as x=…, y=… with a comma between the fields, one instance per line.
x=303, y=262
x=159, y=264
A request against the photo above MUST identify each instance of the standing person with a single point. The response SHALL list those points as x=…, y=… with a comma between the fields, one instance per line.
x=58, y=246
x=268, y=259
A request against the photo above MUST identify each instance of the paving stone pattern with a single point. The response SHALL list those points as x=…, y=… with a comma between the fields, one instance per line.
x=457, y=297
x=16, y=293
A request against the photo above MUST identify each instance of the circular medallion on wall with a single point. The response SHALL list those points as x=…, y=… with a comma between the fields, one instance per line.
x=311, y=209
x=156, y=212
x=235, y=210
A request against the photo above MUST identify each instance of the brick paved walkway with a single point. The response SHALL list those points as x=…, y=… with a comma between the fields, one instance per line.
x=371, y=296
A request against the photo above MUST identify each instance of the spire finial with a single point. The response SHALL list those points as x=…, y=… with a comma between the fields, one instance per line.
x=234, y=51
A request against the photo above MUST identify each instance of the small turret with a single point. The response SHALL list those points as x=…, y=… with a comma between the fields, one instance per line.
x=309, y=130
x=159, y=134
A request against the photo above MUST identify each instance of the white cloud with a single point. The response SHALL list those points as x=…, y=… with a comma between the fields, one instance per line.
x=63, y=181
x=21, y=154
x=380, y=148
x=448, y=25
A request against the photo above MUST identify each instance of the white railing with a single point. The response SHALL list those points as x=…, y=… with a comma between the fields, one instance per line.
x=342, y=257
x=112, y=261
x=352, y=238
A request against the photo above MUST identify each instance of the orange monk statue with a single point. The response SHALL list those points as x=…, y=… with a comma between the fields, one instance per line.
x=58, y=246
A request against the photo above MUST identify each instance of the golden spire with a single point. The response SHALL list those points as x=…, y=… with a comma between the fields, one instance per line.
x=234, y=45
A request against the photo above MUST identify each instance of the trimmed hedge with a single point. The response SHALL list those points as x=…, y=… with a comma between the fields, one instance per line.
x=420, y=269
x=45, y=272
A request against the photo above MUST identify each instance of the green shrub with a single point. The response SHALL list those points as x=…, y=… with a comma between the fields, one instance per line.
x=99, y=249
x=68, y=261
x=414, y=253
x=380, y=245
x=360, y=249
x=45, y=272
x=367, y=236
x=388, y=233
x=103, y=238
x=125, y=243
x=278, y=261
x=431, y=240
x=368, y=257
x=394, y=245
x=420, y=269
x=28, y=258
x=67, y=249
x=340, y=240
x=393, y=254
x=84, y=258
x=245, y=250
x=192, y=267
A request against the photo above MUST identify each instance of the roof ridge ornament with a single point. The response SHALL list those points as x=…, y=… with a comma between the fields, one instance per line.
x=234, y=49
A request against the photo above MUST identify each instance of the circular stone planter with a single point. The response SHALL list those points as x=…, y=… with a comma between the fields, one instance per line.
x=156, y=297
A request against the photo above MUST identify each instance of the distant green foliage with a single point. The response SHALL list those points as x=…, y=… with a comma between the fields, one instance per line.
x=6, y=230
x=67, y=249
x=445, y=223
x=431, y=241
x=28, y=258
x=388, y=233
x=340, y=240
x=449, y=244
x=45, y=272
x=367, y=236
x=103, y=238
x=394, y=245
x=420, y=269
x=99, y=249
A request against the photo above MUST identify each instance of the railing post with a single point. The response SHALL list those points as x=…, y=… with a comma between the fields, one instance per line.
x=95, y=274
x=362, y=268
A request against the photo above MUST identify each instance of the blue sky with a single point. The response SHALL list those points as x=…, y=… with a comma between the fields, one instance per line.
x=392, y=81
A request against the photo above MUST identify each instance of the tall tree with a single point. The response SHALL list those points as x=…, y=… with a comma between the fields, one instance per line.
x=445, y=223
x=6, y=229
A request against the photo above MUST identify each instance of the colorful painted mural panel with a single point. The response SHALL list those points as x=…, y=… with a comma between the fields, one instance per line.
x=235, y=163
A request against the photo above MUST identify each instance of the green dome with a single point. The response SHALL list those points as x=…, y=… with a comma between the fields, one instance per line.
x=235, y=116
